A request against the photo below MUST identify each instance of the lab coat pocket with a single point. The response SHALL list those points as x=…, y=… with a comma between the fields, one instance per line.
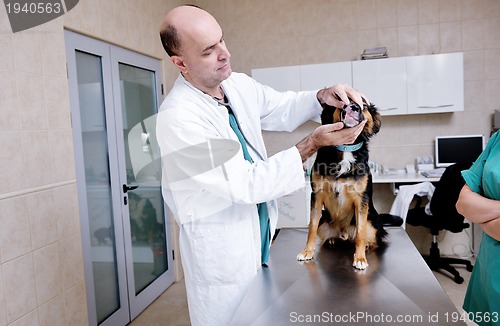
x=225, y=254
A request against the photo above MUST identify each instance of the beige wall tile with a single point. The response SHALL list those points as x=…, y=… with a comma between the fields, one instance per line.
x=3, y=311
x=388, y=37
x=472, y=9
x=71, y=260
x=36, y=151
x=492, y=67
x=53, y=53
x=61, y=155
x=47, y=273
x=9, y=113
x=407, y=12
x=491, y=8
x=429, y=39
x=472, y=35
x=366, y=17
x=451, y=37
x=408, y=40
x=33, y=98
x=52, y=313
x=43, y=223
x=491, y=32
x=27, y=49
x=428, y=11
x=66, y=211
x=30, y=319
x=13, y=174
x=30, y=90
x=76, y=305
x=20, y=289
x=57, y=102
x=6, y=55
x=387, y=13
x=15, y=233
x=450, y=10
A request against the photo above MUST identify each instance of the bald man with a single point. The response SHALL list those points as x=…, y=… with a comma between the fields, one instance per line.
x=226, y=206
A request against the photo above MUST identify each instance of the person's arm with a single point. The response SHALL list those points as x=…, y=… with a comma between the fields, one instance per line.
x=477, y=208
x=492, y=228
x=481, y=210
x=328, y=135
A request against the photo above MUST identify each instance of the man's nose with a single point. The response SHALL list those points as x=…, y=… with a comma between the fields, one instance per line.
x=224, y=53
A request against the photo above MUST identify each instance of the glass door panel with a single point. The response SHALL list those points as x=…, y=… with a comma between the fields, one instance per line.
x=145, y=203
x=98, y=184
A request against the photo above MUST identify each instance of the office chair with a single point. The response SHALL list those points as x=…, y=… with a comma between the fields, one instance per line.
x=444, y=217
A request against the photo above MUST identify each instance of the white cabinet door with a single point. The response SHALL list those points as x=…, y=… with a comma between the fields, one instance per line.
x=318, y=76
x=279, y=78
x=435, y=83
x=383, y=81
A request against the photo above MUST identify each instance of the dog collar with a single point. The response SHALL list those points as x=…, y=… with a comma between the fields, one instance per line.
x=349, y=148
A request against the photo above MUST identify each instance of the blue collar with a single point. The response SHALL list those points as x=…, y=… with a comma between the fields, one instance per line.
x=349, y=148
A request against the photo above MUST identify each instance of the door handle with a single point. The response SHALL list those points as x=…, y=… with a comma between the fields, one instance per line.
x=127, y=188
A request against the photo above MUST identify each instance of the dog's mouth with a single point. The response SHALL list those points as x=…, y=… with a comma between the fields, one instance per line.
x=351, y=115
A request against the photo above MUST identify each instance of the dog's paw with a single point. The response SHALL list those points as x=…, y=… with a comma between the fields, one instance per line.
x=360, y=263
x=306, y=254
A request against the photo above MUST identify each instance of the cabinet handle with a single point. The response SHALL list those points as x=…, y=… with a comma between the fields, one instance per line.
x=434, y=107
x=387, y=109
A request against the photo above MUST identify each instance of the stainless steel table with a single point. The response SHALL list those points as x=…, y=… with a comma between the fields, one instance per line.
x=398, y=288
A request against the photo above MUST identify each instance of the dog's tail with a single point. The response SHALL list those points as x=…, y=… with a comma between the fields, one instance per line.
x=380, y=220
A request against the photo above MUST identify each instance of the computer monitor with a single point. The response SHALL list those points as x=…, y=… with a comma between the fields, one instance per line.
x=458, y=149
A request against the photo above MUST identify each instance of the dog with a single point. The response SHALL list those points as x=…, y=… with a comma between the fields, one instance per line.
x=341, y=198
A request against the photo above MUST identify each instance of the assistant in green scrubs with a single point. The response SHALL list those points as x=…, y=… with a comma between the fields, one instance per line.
x=482, y=300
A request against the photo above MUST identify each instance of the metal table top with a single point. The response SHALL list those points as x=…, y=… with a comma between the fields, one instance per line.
x=397, y=288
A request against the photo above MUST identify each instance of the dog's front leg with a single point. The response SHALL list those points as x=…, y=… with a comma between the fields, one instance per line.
x=360, y=261
x=316, y=207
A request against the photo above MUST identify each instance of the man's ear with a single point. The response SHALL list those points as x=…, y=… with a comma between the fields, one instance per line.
x=179, y=62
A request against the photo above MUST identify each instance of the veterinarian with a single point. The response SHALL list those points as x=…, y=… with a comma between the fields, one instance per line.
x=217, y=178
x=479, y=202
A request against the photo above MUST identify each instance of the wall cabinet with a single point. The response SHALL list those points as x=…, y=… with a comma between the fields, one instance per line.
x=383, y=81
x=280, y=78
x=398, y=86
x=317, y=76
x=435, y=83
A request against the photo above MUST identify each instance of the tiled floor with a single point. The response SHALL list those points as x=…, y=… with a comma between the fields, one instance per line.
x=171, y=307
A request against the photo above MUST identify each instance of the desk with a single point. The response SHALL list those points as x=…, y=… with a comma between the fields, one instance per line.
x=397, y=284
x=402, y=178
x=395, y=179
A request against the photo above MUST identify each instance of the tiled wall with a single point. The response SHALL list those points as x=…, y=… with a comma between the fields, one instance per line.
x=41, y=265
x=264, y=33
x=41, y=276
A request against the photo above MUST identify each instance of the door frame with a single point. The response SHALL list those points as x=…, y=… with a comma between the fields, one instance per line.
x=130, y=306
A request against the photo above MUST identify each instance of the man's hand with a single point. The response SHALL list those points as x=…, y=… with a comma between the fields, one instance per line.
x=328, y=135
x=339, y=94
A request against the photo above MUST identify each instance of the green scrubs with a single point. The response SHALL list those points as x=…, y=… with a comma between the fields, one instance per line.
x=482, y=299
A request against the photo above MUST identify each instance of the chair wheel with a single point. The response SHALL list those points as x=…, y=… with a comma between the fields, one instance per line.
x=469, y=268
x=459, y=279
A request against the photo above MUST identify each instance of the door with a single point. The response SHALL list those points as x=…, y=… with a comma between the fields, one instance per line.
x=127, y=253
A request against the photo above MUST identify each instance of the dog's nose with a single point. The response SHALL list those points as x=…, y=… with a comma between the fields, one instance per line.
x=355, y=107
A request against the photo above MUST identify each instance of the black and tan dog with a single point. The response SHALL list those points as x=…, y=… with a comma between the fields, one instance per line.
x=341, y=206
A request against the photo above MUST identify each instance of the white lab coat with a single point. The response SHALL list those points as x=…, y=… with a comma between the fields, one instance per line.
x=213, y=191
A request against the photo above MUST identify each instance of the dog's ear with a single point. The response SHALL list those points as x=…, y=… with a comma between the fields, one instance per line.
x=377, y=122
